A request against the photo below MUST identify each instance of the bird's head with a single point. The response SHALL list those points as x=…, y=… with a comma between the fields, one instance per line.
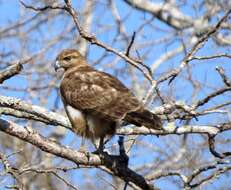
x=68, y=58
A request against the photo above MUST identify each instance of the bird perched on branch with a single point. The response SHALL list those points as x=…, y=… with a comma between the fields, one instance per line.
x=96, y=102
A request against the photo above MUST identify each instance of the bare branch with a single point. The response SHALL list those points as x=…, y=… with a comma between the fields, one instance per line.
x=172, y=75
x=211, y=141
x=93, y=40
x=10, y=72
x=40, y=114
x=42, y=8
x=170, y=38
x=210, y=57
x=18, y=108
x=29, y=135
x=204, y=169
x=225, y=79
x=172, y=130
x=216, y=174
x=166, y=12
x=47, y=171
x=130, y=44
x=212, y=95
x=111, y=162
x=11, y=170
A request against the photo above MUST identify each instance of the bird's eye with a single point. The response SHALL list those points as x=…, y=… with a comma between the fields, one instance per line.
x=67, y=58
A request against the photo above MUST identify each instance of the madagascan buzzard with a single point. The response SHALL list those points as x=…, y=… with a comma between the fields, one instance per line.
x=96, y=102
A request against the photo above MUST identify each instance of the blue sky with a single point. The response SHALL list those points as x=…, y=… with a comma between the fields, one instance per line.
x=203, y=71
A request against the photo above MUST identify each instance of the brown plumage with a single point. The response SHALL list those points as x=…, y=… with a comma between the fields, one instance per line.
x=97, y=102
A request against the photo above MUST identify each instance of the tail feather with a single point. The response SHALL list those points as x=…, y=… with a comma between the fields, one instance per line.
x=144, y=118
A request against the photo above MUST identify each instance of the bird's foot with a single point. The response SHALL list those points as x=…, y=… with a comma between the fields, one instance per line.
x=99, y=150
x=82, y=149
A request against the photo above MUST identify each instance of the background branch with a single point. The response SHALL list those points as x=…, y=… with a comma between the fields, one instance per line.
x=181, y=47
x=10, y=71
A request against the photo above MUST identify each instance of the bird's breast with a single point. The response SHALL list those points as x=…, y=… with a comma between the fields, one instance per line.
x=78, y=121
x=74, y=113
x=88, y=125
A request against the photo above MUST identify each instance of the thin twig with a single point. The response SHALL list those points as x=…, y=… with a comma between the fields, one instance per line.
x=211, y=141
x=130, y=44
x=42, y=8
x=225, y=79
x=173, y=74
x=210, y=96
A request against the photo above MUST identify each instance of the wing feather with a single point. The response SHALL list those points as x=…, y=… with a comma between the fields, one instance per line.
x=98, y=93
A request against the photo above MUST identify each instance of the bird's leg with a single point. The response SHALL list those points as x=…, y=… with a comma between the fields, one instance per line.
x=82, y=147
x=99, y=145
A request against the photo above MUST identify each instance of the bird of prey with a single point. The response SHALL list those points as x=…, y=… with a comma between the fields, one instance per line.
x=97, y=102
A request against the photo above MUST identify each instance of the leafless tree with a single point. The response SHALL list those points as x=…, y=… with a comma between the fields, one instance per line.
x=174, y=55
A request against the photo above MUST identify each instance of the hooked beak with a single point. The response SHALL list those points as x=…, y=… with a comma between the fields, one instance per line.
x=57, y=65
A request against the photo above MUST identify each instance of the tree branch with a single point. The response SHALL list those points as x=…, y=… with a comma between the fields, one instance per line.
x=167, y=12
x=10, y=72
x=225, y=79
x=173, y=74
x=93, y=40
x=18, y=108
x=110, y=161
